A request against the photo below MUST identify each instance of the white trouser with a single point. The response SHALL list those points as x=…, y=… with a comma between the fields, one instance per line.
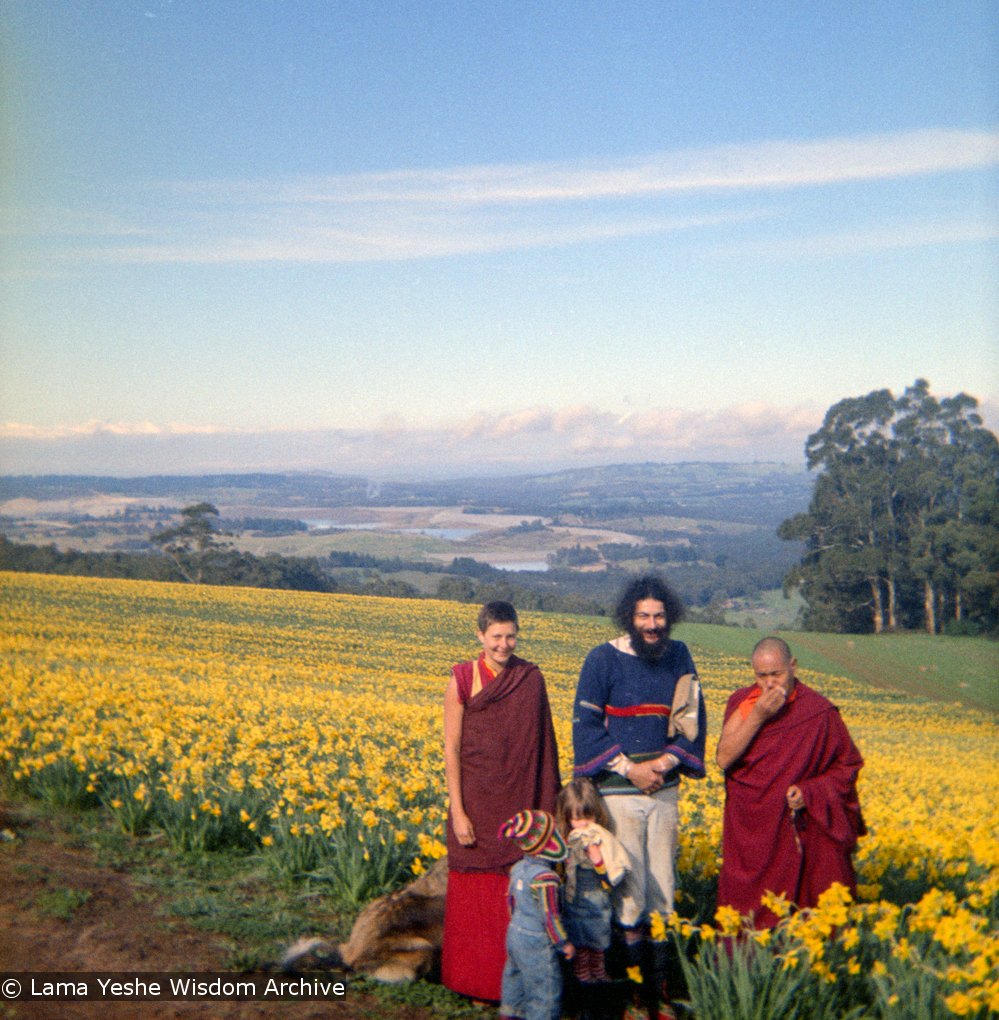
x=647, y=826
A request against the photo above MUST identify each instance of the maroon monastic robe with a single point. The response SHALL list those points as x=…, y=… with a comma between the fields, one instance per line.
x=764, y=846
x=509, y=762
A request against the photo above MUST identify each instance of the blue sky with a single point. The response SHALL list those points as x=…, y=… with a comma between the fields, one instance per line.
x=405, y=238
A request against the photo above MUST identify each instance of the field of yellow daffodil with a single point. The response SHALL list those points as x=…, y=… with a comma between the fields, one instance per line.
x=308, y=728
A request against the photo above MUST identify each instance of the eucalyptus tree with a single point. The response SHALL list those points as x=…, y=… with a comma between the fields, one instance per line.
x=850, y=565
x=950, y=489
x=190, y=544
x=902, y=526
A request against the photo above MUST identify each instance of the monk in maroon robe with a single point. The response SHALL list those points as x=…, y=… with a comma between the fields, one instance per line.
x=792, y=815
x=500, y=757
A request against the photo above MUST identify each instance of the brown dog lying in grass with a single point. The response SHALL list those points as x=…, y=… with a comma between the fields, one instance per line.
x=395, y=938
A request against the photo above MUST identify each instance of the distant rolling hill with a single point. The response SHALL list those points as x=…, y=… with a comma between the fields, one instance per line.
x=757, y=493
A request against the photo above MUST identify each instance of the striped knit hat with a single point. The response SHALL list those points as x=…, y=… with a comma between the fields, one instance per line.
x=535, y=833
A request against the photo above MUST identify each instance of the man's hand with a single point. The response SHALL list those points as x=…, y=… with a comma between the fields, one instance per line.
x=643, y=774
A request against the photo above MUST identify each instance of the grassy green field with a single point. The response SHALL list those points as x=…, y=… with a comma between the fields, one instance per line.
x=767, y=609
x=950, y=669
x=382, y=544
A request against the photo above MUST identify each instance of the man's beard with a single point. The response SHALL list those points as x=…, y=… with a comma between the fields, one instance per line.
x=649, y=651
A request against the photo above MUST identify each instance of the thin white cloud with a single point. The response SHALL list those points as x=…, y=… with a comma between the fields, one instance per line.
x=406, y=242
x=754, y=166
x=434, y=213
x=94, y=428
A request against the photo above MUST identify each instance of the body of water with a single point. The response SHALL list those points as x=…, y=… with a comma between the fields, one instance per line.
x=323, y=525
x=450, y=534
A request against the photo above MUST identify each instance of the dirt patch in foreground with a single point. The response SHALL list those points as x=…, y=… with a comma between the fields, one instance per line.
x=61, y=911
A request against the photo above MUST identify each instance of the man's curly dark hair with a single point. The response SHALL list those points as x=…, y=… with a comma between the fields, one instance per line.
x=651, y=586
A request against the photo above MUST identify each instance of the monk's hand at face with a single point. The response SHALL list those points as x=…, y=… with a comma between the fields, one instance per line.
x=771, y=701
x=795, y=801
x=463, y=830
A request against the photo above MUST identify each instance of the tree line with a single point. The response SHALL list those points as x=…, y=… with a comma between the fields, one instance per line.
x=216, y=564
x=903, y=527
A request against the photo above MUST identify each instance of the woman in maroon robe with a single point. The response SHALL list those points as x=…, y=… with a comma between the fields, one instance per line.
x=500, y=757
x=792, y=815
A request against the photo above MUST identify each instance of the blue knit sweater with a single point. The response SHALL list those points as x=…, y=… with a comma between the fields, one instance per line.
x=623, y=704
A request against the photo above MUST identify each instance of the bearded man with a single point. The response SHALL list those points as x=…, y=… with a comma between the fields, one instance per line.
x=638, y=725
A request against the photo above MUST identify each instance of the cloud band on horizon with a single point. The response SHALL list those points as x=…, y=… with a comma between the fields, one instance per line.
x=526, y=439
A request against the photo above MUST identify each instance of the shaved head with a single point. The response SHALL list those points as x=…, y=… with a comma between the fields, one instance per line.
x=773, y=644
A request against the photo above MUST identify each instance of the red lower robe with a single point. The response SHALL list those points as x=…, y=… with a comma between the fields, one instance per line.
x=765, y=847
x=509, y=761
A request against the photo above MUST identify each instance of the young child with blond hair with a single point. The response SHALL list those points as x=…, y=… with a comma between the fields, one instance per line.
x=596, y=863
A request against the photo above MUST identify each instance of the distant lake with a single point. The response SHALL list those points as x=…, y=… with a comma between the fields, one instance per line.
x=450, y=534
x=321, y=525
x=521, y=565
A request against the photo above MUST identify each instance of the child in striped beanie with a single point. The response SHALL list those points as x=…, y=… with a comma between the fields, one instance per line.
x=532, y=976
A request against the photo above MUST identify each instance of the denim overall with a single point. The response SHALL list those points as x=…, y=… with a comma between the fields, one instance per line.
x=532, y=976
x=588, y=915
